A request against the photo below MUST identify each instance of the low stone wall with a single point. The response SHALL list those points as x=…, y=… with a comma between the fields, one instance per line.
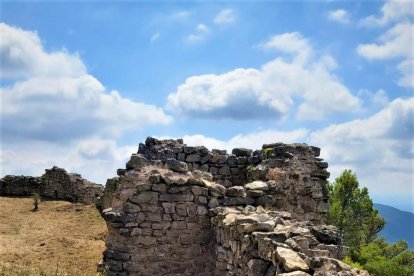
x=55, y=183
x=256, y=241
x=171, y=217
x=12, y=185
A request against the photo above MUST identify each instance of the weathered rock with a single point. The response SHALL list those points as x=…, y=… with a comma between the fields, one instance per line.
x=242, y=152
x=193, y=158
x=145, y=197
x=326, y=234
x=256, y=185
x=137, y=161
x=290, y=259
x=257, y=267
x=236, y=191
x=177, y=166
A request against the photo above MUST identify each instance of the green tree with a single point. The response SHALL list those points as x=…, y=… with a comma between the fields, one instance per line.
x=383, y=259
x=351, y=210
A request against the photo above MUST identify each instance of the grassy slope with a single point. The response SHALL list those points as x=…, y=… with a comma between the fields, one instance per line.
x=61, y=238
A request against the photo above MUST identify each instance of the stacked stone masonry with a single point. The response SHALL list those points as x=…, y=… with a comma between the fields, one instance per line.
x=55, y=183
x=181, y=210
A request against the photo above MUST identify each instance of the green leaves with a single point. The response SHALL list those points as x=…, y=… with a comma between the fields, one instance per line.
x=382, y=259
x=351, y=211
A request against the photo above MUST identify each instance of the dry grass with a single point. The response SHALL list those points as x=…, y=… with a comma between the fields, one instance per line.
x=61, y=238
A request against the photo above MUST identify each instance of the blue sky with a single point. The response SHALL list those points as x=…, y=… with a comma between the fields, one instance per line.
x=83, y=82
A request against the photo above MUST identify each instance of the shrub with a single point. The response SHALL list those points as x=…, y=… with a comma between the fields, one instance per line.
x=36, y=201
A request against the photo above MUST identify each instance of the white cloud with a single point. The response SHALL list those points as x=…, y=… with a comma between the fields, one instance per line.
x=397, y=42
x=22, y=55
x=225, y=17
x=406, y=68
x=54, y=113
x=58, y=100
x=379, y=148
x=155, y=37
x=377, y=98
x=270, y=91
x=291, y=43
x=179, y=15
x=391, y=11
x=340, y=16
x=250, y=140
x=200, y=33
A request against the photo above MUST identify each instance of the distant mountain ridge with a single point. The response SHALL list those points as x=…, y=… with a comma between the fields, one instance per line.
x=399, y=224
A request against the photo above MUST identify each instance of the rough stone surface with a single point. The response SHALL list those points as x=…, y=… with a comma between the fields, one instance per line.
x=290, y=259
x=249, y=213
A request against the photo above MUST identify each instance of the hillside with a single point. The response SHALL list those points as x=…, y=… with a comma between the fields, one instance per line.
x=60, y=239
x=399, y=226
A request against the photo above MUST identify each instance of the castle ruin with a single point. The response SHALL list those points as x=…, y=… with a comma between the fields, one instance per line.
x=183, y=210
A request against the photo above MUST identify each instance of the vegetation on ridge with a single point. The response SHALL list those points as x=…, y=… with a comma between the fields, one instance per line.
x=351, y=210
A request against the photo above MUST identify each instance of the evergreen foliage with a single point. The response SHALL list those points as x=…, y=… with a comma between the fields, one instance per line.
x=351, y=210
x=382, y=259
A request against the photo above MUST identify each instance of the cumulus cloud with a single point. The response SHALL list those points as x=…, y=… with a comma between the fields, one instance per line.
x=270, y=91
x=291, y=43
x=379, y=148
x=200, y=33
x=397, y=43
x=391, y=11
x=225, y=17
x=54, y=113
x=340, y=16
x=22, y=55
x=57, y=100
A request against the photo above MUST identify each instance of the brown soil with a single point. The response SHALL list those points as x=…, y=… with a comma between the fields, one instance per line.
x=61, y=238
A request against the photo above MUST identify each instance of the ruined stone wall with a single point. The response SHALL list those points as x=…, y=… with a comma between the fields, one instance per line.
x=159, y=225
x=172, y=217
x=12, y=185
x=256, y=241
x=55, y=183
x=297, y=177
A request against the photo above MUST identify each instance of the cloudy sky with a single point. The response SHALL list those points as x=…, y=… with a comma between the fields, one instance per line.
x=82, y=83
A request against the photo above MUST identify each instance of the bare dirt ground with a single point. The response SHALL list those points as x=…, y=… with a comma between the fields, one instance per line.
x=60, y=238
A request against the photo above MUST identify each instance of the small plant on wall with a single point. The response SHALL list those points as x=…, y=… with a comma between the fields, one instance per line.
x=267, y=152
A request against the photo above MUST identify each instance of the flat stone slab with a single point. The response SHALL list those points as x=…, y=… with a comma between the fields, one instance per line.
x=290, y=259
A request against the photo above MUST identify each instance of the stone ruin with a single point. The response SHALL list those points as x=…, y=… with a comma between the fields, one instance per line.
x=55, y=183
x=182, y=210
